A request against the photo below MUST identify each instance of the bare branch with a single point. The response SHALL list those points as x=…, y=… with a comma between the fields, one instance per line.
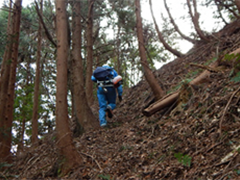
x=160, y=36
x=219, y=11
x=228, y=7
x=44, y=26
x=195, y=20
x=176, y=27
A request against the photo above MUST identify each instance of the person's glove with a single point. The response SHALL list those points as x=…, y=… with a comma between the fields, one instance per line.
x=120, y=98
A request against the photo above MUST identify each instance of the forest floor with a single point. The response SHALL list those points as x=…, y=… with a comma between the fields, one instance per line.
x=199, y=140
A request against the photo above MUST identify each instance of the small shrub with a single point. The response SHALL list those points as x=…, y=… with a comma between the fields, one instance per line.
x=183, y=159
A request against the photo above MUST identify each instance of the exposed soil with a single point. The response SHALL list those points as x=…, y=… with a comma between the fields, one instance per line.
x=199, y=140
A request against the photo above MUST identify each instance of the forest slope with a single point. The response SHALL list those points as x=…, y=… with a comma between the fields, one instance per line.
x=194, y=142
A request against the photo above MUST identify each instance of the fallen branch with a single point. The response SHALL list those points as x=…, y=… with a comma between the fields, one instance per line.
x=228, y=162
x=93, y=159
x=209, y=68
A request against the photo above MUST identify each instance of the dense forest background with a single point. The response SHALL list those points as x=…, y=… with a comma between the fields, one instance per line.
x=49, y=50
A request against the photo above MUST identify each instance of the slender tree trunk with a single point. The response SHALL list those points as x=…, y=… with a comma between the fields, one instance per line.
x=195, y=20
x=117, y=49
x=176, y=27
x=160, y=36
x=23, y=111
x=6, y=122
x=21, y=137
x=83, y=112
x=68, y=152
x=36, y=85
x=5, y=71
x=89, y=83
x=157, y=91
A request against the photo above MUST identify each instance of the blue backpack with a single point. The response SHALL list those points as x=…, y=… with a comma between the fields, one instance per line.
x=102, y=73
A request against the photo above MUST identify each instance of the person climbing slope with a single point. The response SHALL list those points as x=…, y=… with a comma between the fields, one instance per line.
x=108, y=81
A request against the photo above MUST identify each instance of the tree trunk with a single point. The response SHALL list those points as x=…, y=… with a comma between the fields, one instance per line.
x=5, y=73
x=89, y=83
x=168, y=100
x=5, y=143
x=160, y=36
x=21, y=137
x=117, y=48
x=36, y=85
x=23, y=111
x=237, y=2
x=157, y=91
x=195, y=20
x=68, y=153
x=176, y=27
x=83, y=112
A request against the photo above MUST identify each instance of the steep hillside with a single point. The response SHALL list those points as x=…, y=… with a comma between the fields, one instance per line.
x=198, y=140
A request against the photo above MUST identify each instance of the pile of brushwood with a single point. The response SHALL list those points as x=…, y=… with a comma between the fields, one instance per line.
x=194, y=137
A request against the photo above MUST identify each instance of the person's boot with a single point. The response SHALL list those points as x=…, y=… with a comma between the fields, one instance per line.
x=103, y=124
x=109, y=112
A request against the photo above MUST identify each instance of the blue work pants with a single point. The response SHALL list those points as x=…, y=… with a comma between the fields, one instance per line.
x=106, y=99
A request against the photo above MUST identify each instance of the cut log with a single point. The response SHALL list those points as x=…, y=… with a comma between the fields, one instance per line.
x=160, y=104
x=169, y=99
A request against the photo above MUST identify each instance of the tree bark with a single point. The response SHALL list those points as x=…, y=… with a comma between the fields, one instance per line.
x=168, y=100
x=160, y=36
x=89, y=83
x=36, y=85
x=5, y=71
x=68, y=152
x=6, y=121
x=157, y=91
x=237, y=2
x=83, y=112
x=117, y=49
